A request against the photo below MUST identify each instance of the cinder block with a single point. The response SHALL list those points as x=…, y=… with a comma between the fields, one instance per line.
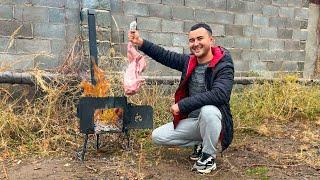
x=259, y=43
x=234, y=30
x=240, y=65
x=116, y=6
x=72, y=33
x=150, y=1
x=133, y=8
x=49, y=3
x=117, y=37
x=180, y=40
x=265, y=2
x=295, y=3
x=105, y=4
x=292, y=23
x=242, y=42
x=172, y=26
x=298, y=55
x=103, y=18
x=278, y=22
x=33, y=46
x=56, y=15
x=103, y=48
x=147, y=23
x=73, y=4
x=258, y=66
x=91, y=4
x=301, y=14
x=236, y=6
x=173, y=2
x=300, y=34
x=270, y=11
x=204, y=15
x=188, y=25
x=161, y=38
x=5, y=43
x=6, y=12
x=251, y=31
x=120, y=21
x=197, y=3
x=59, y=46
x=292, y=45
x=280, y=2
x=286, y=12
x=275, y=65
x=159, y=10
x=285, y=33
x=253, y=7
x=235, y=54
x=227, y=42
x=267, y=55
x=282, y=55
x=34, y=14
x=218, y=29
x=216, y=4
x=260, y=20
x=223, y=18
x=7, y=28
x=276, y=44
x=22, y=62
x=47, y=62
x=72, y=16
x=183, y=13
x=250, y=55
x=243, y=19
x=269, y=32
x=50, y=31
x=290, y=66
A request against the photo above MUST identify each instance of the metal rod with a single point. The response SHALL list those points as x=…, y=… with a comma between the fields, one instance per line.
x=92, y=42
x=29, y=78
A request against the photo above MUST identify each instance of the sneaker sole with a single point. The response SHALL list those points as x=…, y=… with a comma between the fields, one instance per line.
x=193, y=159
x=205, y=171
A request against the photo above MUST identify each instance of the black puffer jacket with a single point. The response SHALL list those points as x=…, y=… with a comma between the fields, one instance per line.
x=219, y=78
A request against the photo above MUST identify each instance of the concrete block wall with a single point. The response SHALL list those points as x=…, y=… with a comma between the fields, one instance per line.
x=264, y=36
x=37, y=33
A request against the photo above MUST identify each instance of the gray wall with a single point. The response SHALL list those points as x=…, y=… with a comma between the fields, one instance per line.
x=48, y=30
x=264, y=36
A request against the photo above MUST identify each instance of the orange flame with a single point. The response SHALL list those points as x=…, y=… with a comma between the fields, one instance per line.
x=101, y=89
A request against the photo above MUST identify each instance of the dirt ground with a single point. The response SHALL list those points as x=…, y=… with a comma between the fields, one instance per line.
x=287, y=151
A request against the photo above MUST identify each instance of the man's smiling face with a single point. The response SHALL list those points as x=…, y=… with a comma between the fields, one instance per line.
x=200, y=42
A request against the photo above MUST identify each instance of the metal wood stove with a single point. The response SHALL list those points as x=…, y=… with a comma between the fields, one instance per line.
x=133, y=117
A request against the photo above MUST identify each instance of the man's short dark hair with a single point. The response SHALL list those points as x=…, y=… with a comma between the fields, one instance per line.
x=202, y=25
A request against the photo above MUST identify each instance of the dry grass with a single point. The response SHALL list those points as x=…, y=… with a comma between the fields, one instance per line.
x=280, y=100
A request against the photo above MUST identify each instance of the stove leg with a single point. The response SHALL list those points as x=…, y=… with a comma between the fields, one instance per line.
x=81, y=154
x=127, y=136
x=97, y=141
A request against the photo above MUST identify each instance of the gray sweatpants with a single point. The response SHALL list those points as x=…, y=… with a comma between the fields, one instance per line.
x=193, y=131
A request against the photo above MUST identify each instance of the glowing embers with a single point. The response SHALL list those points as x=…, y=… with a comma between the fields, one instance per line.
x=106, y=120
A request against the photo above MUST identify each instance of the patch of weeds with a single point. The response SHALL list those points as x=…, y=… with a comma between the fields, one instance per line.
x=258, y=171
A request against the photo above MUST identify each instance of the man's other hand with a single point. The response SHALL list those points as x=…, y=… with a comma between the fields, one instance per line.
x=175, y=109
x=134, y=37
